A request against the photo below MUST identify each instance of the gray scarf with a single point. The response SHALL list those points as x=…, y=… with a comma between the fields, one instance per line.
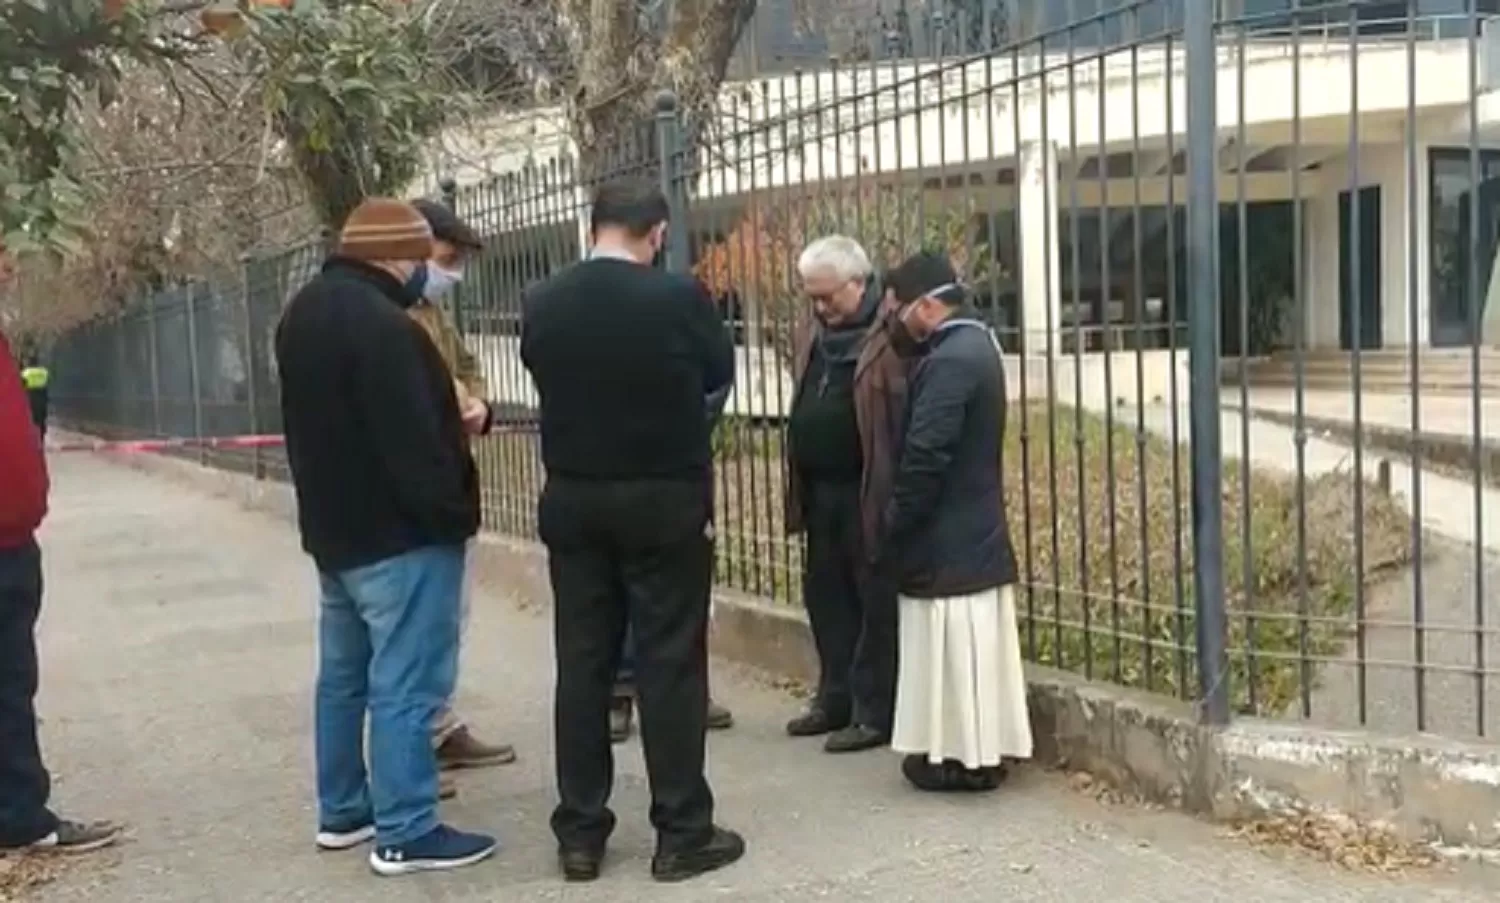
x=842, y=344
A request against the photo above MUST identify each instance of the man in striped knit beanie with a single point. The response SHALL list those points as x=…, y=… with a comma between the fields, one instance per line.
x=387, y=498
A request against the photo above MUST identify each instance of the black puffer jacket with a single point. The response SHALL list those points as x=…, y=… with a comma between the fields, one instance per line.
x=945, y=531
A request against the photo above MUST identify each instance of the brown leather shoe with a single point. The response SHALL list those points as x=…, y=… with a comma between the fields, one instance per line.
x=463, y=750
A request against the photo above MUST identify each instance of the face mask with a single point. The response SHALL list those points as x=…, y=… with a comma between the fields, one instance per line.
x=903, y=341
x=415, y=284
x=440, y=282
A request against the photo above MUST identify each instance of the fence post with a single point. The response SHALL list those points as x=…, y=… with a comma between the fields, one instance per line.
x=449, y=189
x=669, y=155
x=1203, y=360
x=252, y=390
x=195, y=378
x=152, y=352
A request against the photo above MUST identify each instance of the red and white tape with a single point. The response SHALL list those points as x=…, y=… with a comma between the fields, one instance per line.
x=147, y=446
x=135, y=446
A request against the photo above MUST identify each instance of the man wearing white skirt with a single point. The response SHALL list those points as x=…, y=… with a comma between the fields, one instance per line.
x=961, y=691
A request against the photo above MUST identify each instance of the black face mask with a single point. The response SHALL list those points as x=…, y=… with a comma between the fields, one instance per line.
x=902, y=341
x=413, y=290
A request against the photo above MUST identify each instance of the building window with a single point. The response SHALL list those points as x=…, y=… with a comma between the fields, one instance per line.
x=1463, y=228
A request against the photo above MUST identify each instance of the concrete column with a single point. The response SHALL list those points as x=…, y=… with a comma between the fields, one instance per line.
x=1041, y=284
x=1322, y=261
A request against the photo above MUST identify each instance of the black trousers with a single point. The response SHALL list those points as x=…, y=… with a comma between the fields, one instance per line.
x=24, y=783
x=38, y=399
x=852, y=612
x=637, y=553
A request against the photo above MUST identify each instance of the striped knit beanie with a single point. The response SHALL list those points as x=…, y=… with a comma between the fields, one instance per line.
x=385, y=229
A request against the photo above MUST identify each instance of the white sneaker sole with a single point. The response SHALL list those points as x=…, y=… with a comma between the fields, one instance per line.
x=334, y=842
x=52, y=846
x=413, y=866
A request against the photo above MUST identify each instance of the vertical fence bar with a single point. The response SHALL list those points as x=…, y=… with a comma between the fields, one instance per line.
x=1242, y=314
x=252, y=390
x=1138, y=292
x=1357, y=343
x=153, y=353
x=669, y=158
x=1300, y=339
x=195, y=379
x=1476, y=342
x=1414, y=359
x=1203, y=361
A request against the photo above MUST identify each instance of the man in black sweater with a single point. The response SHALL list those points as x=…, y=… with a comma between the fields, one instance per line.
x=623, y=356
x=387, y=495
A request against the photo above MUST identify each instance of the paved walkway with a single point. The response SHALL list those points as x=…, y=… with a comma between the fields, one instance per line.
x=1448, y=416
x=177, y=667
x=1457, y=586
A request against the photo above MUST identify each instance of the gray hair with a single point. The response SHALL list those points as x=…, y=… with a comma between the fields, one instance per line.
x=839, y=253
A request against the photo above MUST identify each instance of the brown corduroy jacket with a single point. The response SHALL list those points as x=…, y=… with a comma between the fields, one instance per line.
x=461, y=362
x=879, y=405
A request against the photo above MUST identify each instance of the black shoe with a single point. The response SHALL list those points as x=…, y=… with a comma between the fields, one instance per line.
x=978, y=780
x=621, y=713
x=580, y=865
x=855, y=738
x=719, y=718
x=815, y=722
x=922, y=774
x=724, y=848
x=950, y=776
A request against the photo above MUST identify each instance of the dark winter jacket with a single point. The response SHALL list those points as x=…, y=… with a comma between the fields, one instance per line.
x=945, y=530
x=376, y=445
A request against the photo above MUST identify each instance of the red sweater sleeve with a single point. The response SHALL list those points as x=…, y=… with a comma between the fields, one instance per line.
x=23, y=467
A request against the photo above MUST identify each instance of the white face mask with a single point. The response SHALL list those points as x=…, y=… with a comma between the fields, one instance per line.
x=440, y=281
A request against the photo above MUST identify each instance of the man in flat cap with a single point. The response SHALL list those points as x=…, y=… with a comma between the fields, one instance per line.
x=453, y=243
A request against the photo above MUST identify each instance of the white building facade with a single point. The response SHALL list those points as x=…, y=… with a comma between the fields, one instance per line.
x=1361, y=160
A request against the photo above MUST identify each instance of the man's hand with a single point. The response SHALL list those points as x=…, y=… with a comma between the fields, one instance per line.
x=475, y=413
x=476, y=417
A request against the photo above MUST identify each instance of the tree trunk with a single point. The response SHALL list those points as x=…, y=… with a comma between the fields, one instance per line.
x=614, y=121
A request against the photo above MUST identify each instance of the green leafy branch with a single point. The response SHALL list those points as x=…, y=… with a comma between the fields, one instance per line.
x=56, y=52
x=352, y=93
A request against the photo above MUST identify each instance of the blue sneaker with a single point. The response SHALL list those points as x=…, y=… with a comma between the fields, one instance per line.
x=439, y=849
x=334, y=839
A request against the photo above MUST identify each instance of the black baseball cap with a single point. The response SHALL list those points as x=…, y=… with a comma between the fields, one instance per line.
x=446, y=225
x=924, y=273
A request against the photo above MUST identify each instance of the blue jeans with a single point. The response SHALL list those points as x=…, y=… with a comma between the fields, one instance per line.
x=387, y=644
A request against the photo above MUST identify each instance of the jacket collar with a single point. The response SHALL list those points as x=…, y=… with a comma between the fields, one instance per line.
x=964, y=317
x=962, y=320
x=608, y=252
x=877, y=341
x=373, y=276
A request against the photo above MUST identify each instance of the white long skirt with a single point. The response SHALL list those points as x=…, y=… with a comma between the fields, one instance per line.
x=961, y=692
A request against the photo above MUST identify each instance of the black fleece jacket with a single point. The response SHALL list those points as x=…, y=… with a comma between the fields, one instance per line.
x=373, y=432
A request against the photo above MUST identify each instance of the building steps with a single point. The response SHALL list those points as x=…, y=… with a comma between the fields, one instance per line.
x=1439, y=372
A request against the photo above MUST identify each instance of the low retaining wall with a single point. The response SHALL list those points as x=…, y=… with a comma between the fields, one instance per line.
x=1422, y=788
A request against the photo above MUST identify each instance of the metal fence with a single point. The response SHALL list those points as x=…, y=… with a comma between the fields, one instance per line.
x=1240, y=257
